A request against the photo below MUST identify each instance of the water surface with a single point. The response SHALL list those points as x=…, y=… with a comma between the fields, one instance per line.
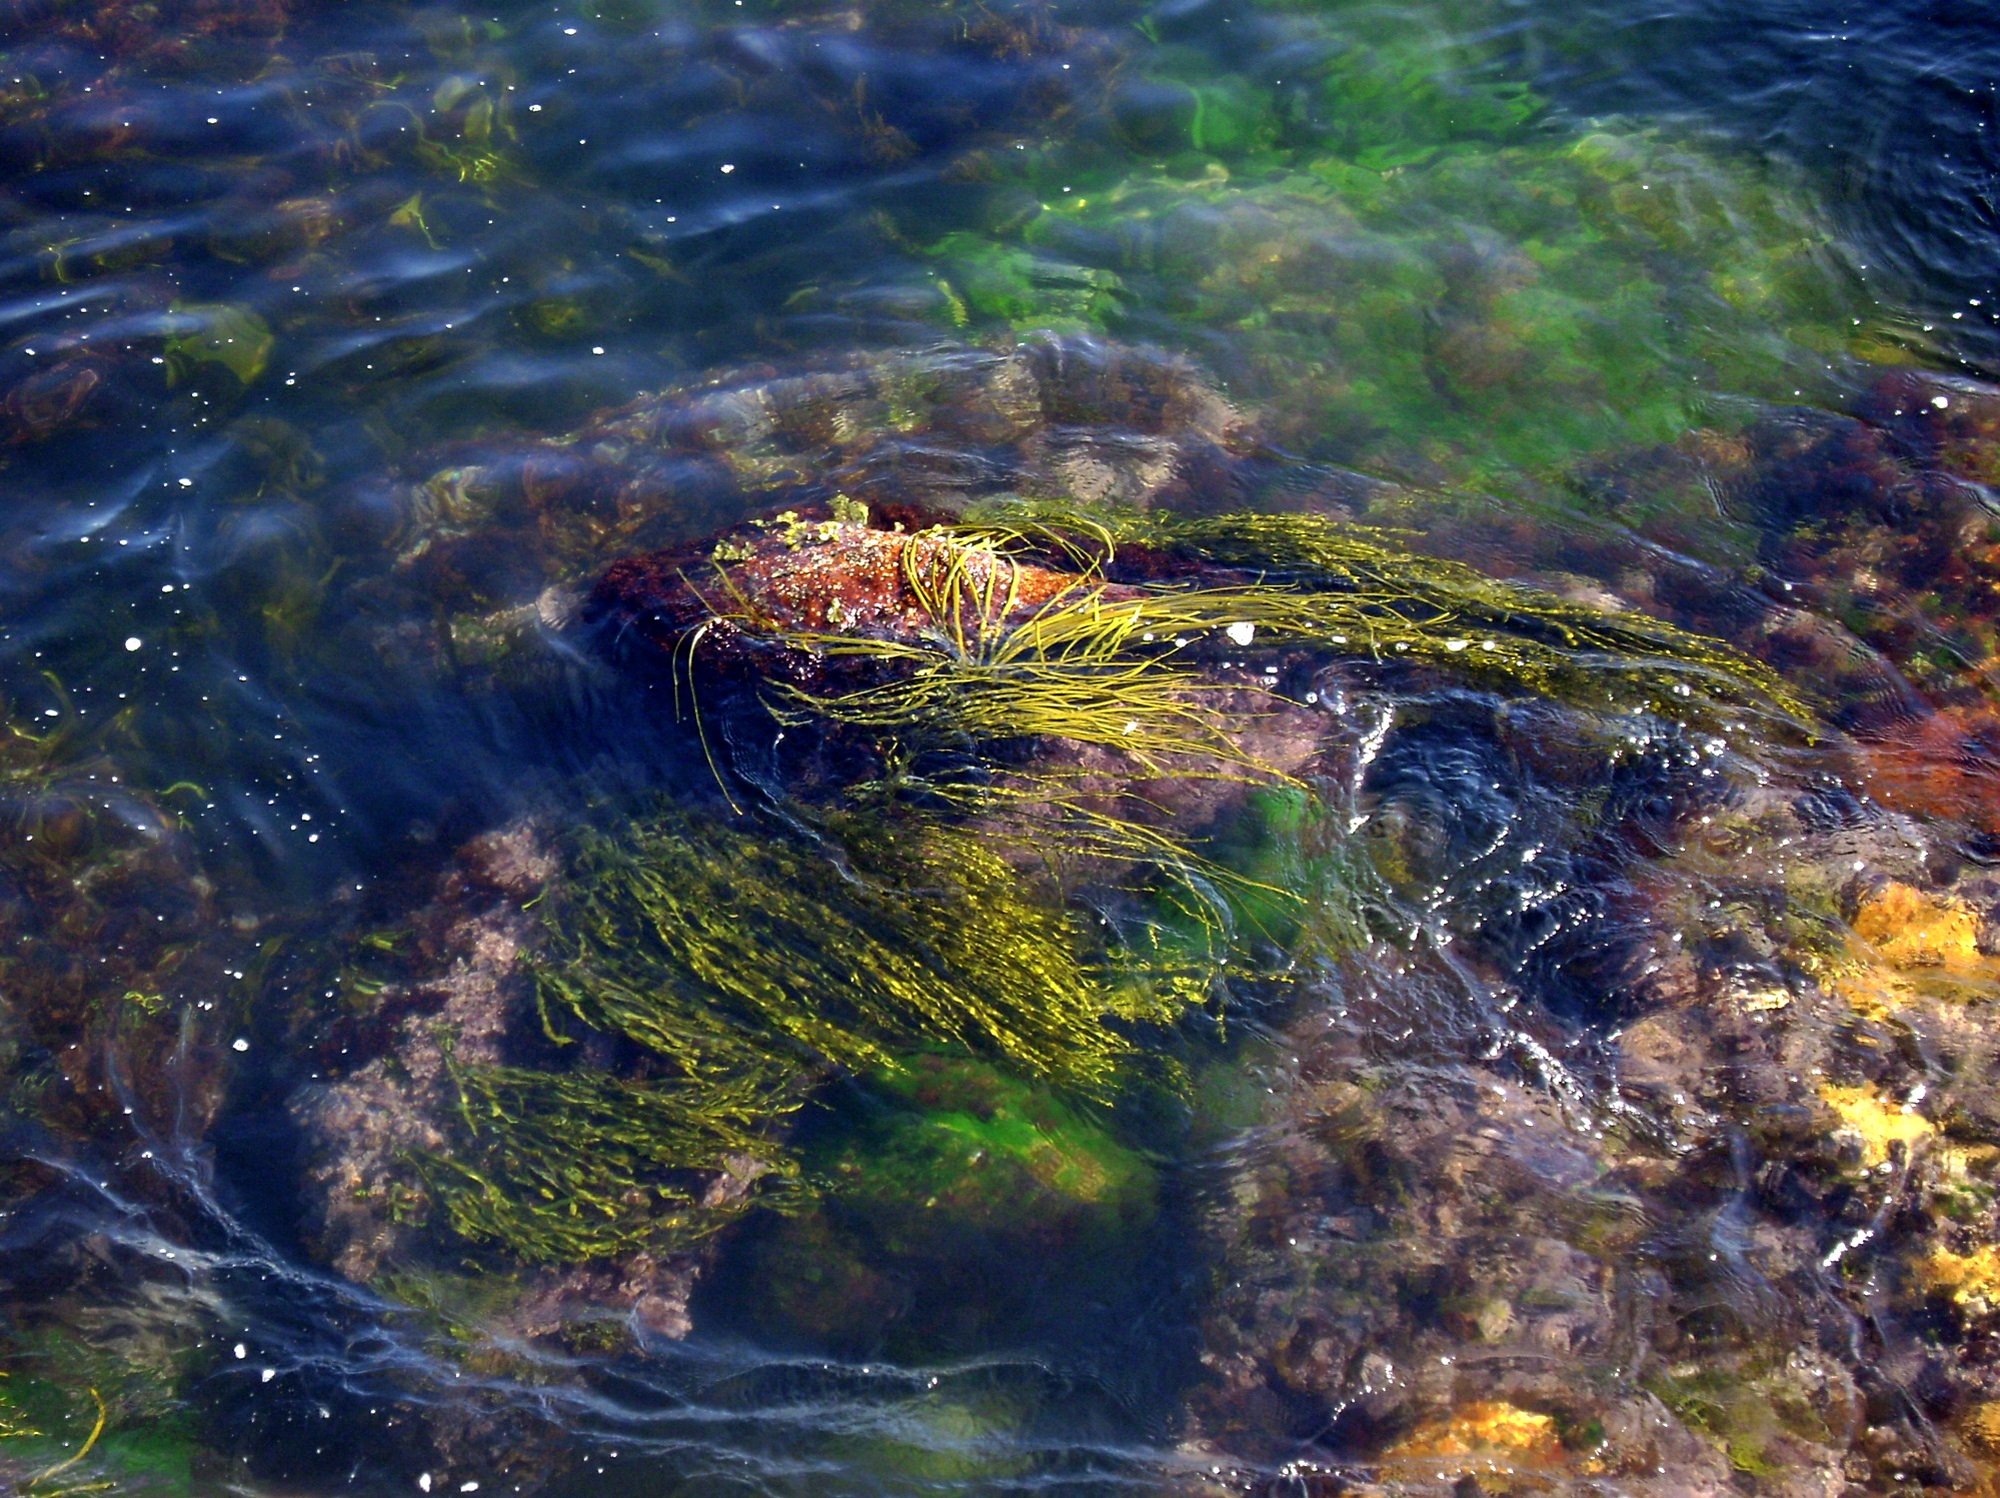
x=1595, y=1089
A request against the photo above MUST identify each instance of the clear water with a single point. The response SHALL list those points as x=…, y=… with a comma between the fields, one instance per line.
x=1568, y=1118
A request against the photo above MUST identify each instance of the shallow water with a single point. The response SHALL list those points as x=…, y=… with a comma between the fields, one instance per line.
x=1584, y=1084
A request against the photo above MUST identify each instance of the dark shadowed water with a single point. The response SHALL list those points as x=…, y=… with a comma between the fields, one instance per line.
x=310, y=320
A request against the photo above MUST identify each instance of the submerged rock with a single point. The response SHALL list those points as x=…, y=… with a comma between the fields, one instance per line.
x=114, y=982
x=960, y=1207
x=366, y=1197
x=805, y=589
x=1607, y=1096
x=465, y=1000
x=921, y=431
x=1607, y=1207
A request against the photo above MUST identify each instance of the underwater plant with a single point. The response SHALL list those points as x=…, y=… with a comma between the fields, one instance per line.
x=1411, y=258
x=93, y=1409
x=940, y=1174
x=563, y=1167
x=1016, y=623
x=869, y=938
x=929, y=904
x=743, y=964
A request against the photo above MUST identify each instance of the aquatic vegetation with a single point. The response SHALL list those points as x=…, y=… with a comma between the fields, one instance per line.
x=17, y=1431
x=1909, y=928
x=1008, y=1140
x=1063, y=712
x=1011, y=285
x=234, y=337
x=91, y=863
x=953, y=647
x=938, y=1173
x=744, y=966
x=1907, y=947
x=1971, y=1281
x=864, y=942
x=1372, y=594
x=477, y=112
x=563, y=1167
x=76, y=1417
x=962, y=639
x=1754, y=1419
x=50, y=399
x=1416, y=268
x=958, y=1437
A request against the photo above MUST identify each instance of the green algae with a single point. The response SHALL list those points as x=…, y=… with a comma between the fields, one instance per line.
x=948, y=1439
x=839, y=952
x=944, y=1172
x=1009, y=284
x=1385, y=333
x=563, y=1167
x=984, y=1147
x=233, y=337
x=1099, y=664
x=744, y=966
x=1307, y=886
x=1414, y=264
x=79, y=1418
x=1748, y=1413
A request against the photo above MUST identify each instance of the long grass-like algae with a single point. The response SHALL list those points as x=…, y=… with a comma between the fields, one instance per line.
x=894, y=936
x=563, y=1167
x=744, y=965
x=746, y=956
x=1099, y=662
x=1552, y=644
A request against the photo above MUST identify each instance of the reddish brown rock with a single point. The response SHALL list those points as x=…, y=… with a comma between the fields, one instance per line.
x=1944, y=766
x=150, y=35
x=791, y=584
x=49, y=398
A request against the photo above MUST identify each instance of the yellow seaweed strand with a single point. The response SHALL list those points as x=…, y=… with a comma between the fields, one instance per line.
x=80, y=1453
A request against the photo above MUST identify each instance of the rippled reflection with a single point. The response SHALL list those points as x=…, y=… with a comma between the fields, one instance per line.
x=509, y=987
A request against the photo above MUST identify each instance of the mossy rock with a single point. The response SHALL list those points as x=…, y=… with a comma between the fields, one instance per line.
x=1409, y=258
x=959, y=1204
x=974, y=1151
x=63, y=1433
x=958, y=1437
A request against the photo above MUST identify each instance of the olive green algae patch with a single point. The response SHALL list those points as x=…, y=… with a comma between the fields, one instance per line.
x=1360, y=592
x=721, y=950
x=75, y=1419
x=565, y=1167
x=743, y=966
x=234, y=337
x=1411, y=260
x=956, y=1203
x=975, y=1145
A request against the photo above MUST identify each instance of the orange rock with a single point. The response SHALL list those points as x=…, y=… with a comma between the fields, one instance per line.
x=1981, y=1424
x=1876, y=1121
x=1911, y=929
x=1497, y=1435
x=1971, y=1280
x=1913, y=946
